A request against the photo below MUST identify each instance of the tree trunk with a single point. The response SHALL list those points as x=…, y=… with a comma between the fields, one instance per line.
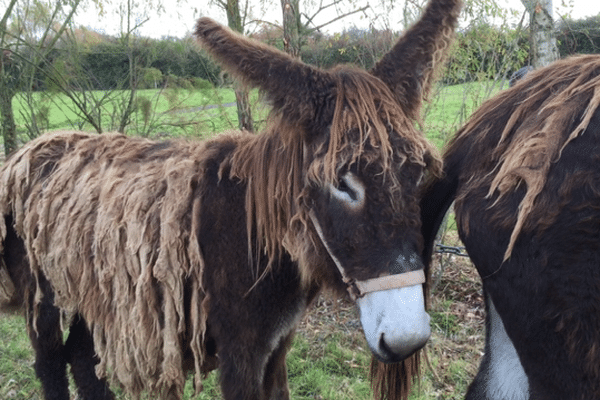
x=234, y=20
x=133, y=83
x=544, y=50
x=7, y=91
x=291, y=24
x=9, y=128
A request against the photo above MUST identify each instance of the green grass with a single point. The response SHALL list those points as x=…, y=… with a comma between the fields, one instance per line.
x=17, y=380
x=451, y=106
x=159, y=112
x=184, y=112
x=338, y=372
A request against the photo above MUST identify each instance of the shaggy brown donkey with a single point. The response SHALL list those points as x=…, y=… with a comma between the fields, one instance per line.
x=524, y=172
x=180, y=255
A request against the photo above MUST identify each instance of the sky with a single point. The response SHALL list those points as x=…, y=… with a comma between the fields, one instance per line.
x=179, y=20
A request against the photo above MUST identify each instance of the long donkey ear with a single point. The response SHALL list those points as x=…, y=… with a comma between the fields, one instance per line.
x=409, y=68
x=295, y=89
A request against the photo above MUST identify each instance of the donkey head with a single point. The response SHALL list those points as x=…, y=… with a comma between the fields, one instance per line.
x=340, y=167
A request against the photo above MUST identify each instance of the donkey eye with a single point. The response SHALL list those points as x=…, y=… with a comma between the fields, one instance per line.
x=343, y=186
x=349, y=190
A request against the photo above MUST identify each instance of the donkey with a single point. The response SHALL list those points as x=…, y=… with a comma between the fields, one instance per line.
x=524, y=175
x=176, y=256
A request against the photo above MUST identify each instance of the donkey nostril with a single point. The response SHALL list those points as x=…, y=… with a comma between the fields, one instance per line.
x=385, y=349
x=391, y=354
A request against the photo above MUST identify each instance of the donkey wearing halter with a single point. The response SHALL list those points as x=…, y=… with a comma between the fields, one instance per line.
x=525, y=177
x=176, y=256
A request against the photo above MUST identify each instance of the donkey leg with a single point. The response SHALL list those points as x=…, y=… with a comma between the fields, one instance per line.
x=82, y=357
x=249, y=372
x=240, y=375
x=276, y=383
x=46, y=338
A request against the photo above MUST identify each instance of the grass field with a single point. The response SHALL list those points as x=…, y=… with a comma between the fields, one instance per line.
x=158, y=112
x=329, y=359
x=201, y=113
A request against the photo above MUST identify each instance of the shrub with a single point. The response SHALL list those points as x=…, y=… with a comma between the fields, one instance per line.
x=151, y=78
x=579, y=36
x=200, y=83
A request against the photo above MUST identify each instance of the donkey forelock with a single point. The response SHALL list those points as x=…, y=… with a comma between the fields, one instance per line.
x=367, y=127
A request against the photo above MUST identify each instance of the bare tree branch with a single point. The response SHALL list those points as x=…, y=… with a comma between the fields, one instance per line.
x=319, y=27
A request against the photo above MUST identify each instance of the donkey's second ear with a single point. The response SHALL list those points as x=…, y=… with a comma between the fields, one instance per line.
x=409, y=68
x=298, y=92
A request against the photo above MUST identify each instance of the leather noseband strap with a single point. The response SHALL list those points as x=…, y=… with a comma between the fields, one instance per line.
x=358, y=289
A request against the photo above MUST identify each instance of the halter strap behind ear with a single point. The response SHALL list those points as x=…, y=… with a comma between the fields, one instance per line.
x=358, y=289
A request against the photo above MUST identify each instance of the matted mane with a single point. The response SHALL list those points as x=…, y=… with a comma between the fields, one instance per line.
x=368, y=125
x=132, y=257
x=530, y=125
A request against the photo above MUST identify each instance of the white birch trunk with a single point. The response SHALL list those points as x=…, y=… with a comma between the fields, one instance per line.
x=543, y=40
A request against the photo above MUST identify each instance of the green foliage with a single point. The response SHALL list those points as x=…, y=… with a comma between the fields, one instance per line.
x=103, y=63
x=182, y=58
x=444, y=320
x=201, y=84
x=484, y=52
x=361, y=47
x=107, y=65
x=176, y=82
x=579, y=36
x=151, y=78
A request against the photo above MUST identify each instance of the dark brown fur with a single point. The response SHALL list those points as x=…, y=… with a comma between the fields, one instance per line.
x=524, y=172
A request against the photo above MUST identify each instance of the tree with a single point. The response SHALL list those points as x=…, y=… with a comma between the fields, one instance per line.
x=580, y=36
x=28, y=34
x=295, y=32
x=116, y=66
x=9, y=73
x=543, y=41
x=291, y=26
x=235, y=21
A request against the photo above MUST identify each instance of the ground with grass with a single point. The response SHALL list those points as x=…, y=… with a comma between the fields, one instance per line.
x=329, y=359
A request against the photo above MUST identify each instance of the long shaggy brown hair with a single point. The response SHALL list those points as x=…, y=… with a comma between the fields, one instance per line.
x=134, y=231
x=277, y=191
x=530, y=144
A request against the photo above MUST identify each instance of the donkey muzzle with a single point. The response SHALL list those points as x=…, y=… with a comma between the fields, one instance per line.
x=394, y=321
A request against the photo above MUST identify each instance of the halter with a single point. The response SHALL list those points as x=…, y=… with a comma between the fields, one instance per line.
x=358, y=289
